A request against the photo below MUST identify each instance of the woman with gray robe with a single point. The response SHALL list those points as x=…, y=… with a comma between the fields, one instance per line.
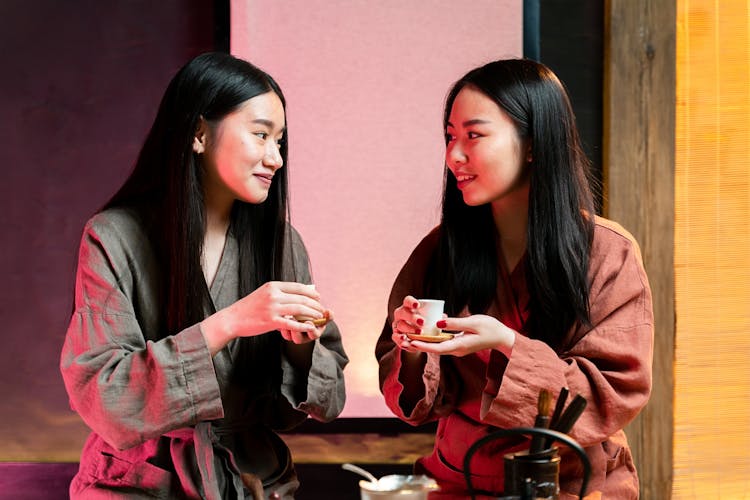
x=196, y=334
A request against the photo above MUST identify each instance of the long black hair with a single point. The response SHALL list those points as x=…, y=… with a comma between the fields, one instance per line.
x=166, y=187
x=464, y=268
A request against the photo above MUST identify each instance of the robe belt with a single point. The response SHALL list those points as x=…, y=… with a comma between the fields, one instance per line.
x=204, y=440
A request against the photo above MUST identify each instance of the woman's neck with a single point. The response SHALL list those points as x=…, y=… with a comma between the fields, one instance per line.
x=217, y=223
x=218, y=206
x=511, y=217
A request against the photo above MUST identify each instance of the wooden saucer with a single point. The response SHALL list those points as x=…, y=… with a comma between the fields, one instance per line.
x=441, y=337
x=315, y=321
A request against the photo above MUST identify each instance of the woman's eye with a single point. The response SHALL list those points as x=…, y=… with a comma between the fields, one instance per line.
x=262, y=135
x=473, y=135
x=449, y=137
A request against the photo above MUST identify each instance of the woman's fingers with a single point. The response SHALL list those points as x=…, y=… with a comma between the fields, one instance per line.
x=294, y=325
x=403, y=342
x=447, y=347
x=273, y=306
x=294, y=288
x=306, y=332
x=306, y=336
x=299, y=337
x=283, y=293
x=293, y=298
x=294, y=336
x=297, y=305
x=286, y=334
x=457, y=346
x=466, y=324
x=403, y=326
x=296, y=299
x=301, y=312
x=479, y=332
x=405, y=318
x=410, y=303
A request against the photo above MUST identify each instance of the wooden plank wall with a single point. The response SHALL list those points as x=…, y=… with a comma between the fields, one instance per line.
x=639, y=138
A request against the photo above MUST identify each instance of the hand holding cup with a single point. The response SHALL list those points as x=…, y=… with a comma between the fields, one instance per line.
x=416, y=319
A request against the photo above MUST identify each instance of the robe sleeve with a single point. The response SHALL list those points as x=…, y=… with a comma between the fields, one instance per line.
x=319, y=392
x=608, y=363
x=438, y=384
x=126, y=388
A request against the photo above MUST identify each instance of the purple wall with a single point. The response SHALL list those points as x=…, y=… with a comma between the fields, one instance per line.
x=80, y=85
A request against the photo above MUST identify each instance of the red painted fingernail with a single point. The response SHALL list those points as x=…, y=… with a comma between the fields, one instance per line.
x=420, y=321
x=419, y=331
x=440, y=324
x=416, y=305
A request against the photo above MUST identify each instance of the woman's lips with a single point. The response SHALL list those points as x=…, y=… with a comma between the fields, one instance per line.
x=264, y=178
x=463, y=180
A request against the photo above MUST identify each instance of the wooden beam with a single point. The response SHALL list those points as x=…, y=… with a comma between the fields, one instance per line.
x=638, y=170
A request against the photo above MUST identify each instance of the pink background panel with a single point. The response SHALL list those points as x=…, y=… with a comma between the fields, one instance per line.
x=365, y=83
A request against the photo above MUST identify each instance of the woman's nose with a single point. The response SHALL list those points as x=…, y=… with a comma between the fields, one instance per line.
x=273, y=157
x=454, y=155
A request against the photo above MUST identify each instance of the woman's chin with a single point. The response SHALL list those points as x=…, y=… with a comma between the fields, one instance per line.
x=254, y=198
x=474, y=201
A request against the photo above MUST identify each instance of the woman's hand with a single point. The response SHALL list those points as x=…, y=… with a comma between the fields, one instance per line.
x=302, y=337
x=270, y=307
x=479, y=332
x=406, y=319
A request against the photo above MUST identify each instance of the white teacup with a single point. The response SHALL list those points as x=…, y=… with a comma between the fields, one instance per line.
x=432, y=312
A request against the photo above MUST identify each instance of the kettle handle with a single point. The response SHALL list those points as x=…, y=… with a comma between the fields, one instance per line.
x=538, y=431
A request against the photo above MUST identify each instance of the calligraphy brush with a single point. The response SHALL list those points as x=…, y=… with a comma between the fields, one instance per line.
x=559, y=406
x=543, y=404
x=562, y=398
x=571, y=414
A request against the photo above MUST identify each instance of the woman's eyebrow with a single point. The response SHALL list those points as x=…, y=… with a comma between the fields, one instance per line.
x=267, y=123
x=473, y=121
x=263, y=121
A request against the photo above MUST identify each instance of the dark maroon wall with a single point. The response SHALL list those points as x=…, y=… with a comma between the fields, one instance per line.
x=80, y=82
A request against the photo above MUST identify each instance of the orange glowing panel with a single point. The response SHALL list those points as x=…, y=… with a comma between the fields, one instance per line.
x=712, y=251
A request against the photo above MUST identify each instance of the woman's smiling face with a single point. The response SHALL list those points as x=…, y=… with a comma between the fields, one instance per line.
x=240, y=153
x=484, y=151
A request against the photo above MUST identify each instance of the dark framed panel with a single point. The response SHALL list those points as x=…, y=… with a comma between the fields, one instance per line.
x=568, y=36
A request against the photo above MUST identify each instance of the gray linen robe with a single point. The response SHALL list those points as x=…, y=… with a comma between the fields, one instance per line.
x=168, y=420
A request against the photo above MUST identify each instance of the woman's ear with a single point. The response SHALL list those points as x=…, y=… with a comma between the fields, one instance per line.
x=199, y=140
